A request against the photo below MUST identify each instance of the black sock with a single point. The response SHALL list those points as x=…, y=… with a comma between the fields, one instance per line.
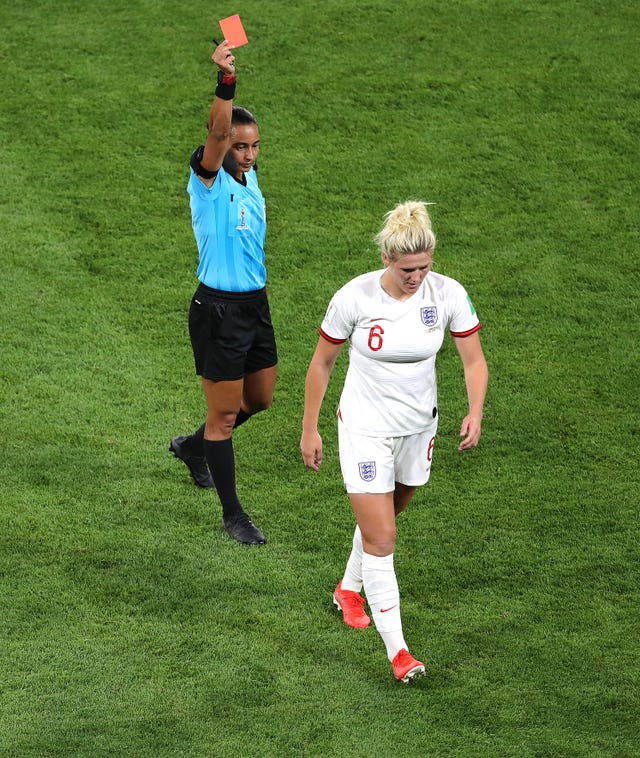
x=195, y=441
x=222, y=465
x=241, y=418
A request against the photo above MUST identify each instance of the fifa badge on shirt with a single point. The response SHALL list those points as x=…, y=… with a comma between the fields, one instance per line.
x=331, y=312
x=242, y=224
x=429, y=315
x=367, y=471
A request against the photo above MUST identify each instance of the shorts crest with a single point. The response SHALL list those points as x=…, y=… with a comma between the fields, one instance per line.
x=429, y=315
x=367, y=471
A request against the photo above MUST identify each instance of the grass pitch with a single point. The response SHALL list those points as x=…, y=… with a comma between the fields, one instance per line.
x=130, y=624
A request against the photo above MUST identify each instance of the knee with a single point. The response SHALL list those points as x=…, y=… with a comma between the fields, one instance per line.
x=381, y=543
x=220, y=424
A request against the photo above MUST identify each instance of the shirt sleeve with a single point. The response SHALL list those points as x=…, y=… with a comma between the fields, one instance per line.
x=338, y=323
x=198, y=189
x=463, y=319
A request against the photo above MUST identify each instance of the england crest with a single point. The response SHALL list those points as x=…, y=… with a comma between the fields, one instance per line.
x=367, y=471
x=429, y=315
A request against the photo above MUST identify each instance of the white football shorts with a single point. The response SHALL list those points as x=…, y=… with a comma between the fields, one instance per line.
x=374, y=464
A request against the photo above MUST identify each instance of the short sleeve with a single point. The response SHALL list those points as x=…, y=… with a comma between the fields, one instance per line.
x=199, y=190
x=463, y=319
x=338, y=323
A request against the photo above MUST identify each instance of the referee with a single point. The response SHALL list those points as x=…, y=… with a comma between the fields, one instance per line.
x=229, y=320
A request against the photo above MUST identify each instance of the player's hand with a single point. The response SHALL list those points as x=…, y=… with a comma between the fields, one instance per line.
x=470, y=430
x=224, y=58
x=311, y=448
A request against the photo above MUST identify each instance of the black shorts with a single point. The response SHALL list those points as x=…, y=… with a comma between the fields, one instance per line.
x=231, y=333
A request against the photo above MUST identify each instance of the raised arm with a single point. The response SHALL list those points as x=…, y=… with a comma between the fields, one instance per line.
x=318, y=374
x=476, y=377
x=219, y=123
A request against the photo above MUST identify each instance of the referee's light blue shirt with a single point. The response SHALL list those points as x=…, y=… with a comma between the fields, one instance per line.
x=229, y=223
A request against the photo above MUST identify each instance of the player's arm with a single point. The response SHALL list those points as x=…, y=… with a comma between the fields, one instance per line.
x=318, y=374
x=219, y=123
x=476, y=377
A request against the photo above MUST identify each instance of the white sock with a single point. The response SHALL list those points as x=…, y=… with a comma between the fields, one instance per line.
x=352, y=579
x=383, y=596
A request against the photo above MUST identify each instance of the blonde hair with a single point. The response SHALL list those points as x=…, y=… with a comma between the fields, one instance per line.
x=407, y=230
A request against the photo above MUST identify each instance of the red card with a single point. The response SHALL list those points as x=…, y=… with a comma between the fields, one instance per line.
x=233, y=31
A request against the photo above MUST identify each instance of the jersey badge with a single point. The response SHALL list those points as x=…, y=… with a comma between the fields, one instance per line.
x=367, y=471
x=429, y=315
x=331, y=312
x=243, y=224
x=473, y=310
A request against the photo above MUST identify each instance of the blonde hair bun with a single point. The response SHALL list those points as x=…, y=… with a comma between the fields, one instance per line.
x=406, y=231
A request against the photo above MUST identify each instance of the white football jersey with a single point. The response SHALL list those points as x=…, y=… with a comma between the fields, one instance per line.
x=390, y=388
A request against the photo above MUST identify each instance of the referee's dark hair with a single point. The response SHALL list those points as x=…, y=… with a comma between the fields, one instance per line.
x=240, y=115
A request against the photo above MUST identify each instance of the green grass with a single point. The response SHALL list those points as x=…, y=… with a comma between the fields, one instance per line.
x=129, y=622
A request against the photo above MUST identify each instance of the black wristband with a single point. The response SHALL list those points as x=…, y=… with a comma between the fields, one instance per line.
x=226, y=88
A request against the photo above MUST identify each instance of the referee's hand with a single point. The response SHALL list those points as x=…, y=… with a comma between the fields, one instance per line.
x=224, y=58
